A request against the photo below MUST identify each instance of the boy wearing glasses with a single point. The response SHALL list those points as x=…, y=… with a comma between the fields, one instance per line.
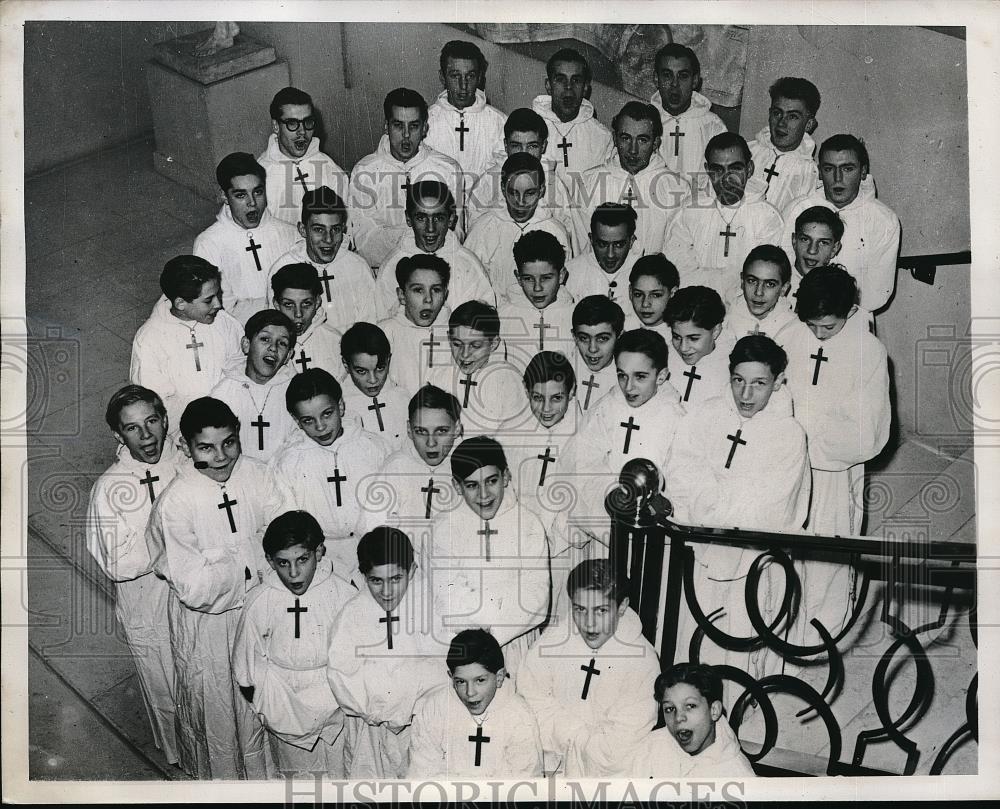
x=292, y=160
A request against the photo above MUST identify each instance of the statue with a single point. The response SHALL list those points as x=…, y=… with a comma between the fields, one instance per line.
x=221, y=38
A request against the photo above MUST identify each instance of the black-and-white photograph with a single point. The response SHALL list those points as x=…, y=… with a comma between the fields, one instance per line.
x=575, y=402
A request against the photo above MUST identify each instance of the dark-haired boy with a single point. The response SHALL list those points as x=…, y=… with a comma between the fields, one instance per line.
x=597, y=324
x=471, y=726
x=187, y=343
x=297, y=293
x=325, y=460
x=696, y=318
x=282, y=645
x=651, y=284
x=117, y=515
x=245, y=240
x=256, y=392
x=377, y=402
x=292, y=159
x=816, y=242
x=604, y=268
x=762, y=305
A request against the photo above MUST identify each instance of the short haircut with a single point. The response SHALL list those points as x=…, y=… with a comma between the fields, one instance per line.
x=796, y=90
x=701, y=305
x=431, y=397
x=290, y=529
x=639, y=111
x=384, y=546
x=829, y=290
x=770, y=254
x=821, y=215
x=846, y=143
x=258, y=321
x=408, y=265
x=130, y=395
x=549, y=366
x=758, y=348
x=613, y=214
x=433, y=191
x=567, y=55
x=658, y=266
x=596, y=309
x=296, y=276
x=472, y=646
x=184, y=276
x=476, y=315
x=460, y=49
x=322, y=200
x=644, y=341
x=404, y=98
x=288, y=96
x=309, y=384
x=677, y=51
x=727, y=140
x=539, y=245
x=365, y=338
x=206, y=412
x=238, y=164
x=475, y=453
x=522, y=162
x=697, y=675
x=598, y=574
x=524, y=119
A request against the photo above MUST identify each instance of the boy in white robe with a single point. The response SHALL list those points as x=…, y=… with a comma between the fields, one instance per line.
x=430, y=216
x=204, y=538
x=117, y=514
x=635, y=175
x=325, y=461
x=696, y=316
x=348, y=286
x=376, y=402
x=383, y=656
x=604, y=268
x=246, y=239
x=256, y=392
x=816, y=242
x=418, y=330
x=489, y=557
x=598, y=322
x=282, y=647
x=711, y=238
x=189, y=341
x=471, y=726
x=762, y=306
x=292, y=159
x=297, y=293
x=783, y=153
x=651, y=284
x=686, y=115
x=460, y=123
x=588, y=680
x=493, y=235
x=870, y=244
x=379, y=180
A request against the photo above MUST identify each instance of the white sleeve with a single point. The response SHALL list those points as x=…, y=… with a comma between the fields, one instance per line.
x=878, y=278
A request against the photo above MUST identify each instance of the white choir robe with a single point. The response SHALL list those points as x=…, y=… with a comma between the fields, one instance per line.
x=309, y=470
x=233, y=249
x=591, y=736
x=696, y=243
x=468, y=280
x=210, y=567
x=659, y=756
x=795, y=173
x=847, y=417
x=585, y=277
x=440, y=746
x=707, y=378
x=377, y=687
x=685, y=137
x=489, y=397
x=506, y=593
x=482, y=134
x=164, y=361
x=117, y=515
x=252, y=402
x=527, y=330
x=384, y=416
x=776, y=324
x=281, y=649
x=377, y=199
x=285, y=186
x=657, y=195
x=870, y=244
x=416, y=350
x=318, y=347
x=348, y=284
x=494, y=234
x=577, y=145
x=591, y=386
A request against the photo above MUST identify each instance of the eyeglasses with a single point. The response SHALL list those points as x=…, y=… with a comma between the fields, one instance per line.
x=292, y=124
